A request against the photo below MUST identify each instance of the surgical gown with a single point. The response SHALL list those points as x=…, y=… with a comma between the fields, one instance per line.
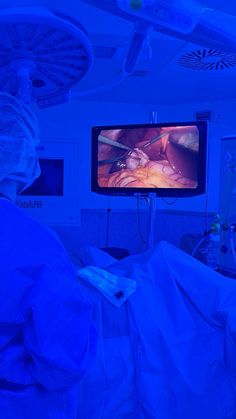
x=169, y=352
x=47, y=338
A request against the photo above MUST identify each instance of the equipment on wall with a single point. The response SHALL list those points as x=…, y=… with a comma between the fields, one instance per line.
x=227, y=204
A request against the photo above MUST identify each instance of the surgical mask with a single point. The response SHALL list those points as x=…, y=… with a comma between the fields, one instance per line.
x=18, y=141
x=18, y=160
x=26, y=180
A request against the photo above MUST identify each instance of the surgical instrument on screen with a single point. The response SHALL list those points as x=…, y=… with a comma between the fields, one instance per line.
x=106, y=140
x=113, y=143
x=153, y=140
x=110, y=161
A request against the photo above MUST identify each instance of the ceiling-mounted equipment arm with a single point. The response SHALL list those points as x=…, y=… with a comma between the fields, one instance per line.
x=187, y=20
x=139, y=37
x=138, y=41
x=179, y=15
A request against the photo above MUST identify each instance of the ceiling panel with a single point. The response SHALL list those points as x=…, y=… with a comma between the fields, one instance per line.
x=168, y=71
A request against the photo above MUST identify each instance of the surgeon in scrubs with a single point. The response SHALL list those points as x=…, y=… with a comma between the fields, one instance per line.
x=47, y=338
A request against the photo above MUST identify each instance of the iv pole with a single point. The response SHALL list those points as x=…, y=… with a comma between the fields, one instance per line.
x=151, y=200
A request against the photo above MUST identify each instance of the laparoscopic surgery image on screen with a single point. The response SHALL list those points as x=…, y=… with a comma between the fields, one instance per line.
x=151, y=157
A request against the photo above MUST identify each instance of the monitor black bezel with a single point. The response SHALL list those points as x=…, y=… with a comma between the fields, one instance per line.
x=162, y=192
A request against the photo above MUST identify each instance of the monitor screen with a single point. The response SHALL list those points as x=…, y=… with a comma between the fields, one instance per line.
x=51, y=179
x=168, y=159
x=52, y=198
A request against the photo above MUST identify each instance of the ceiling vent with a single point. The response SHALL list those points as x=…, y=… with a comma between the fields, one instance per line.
x=207, y=60
x=203, y=115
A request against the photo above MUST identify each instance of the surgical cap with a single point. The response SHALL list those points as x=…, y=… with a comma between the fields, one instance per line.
x=18, y=139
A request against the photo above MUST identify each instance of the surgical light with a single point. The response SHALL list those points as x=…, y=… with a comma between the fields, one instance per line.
x=43, y=54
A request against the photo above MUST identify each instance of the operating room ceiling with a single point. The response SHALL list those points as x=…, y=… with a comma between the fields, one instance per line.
x=169, y=71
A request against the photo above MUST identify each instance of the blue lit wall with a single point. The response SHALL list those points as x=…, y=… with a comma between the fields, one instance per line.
x=73, y=122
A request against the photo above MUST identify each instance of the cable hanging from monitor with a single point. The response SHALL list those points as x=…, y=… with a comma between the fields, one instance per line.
x=143, y=241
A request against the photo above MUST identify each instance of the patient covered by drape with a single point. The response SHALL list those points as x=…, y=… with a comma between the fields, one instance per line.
x=168, y=352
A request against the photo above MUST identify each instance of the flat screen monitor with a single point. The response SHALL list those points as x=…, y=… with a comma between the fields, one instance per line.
x=51, y=179
x=52, y=198
x=168, y=159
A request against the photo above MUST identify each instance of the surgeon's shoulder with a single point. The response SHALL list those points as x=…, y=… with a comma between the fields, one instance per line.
x=16, y=222
x=10, y=211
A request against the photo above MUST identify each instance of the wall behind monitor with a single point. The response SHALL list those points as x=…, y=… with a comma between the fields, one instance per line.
x=73, y=122
x=221, y=123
